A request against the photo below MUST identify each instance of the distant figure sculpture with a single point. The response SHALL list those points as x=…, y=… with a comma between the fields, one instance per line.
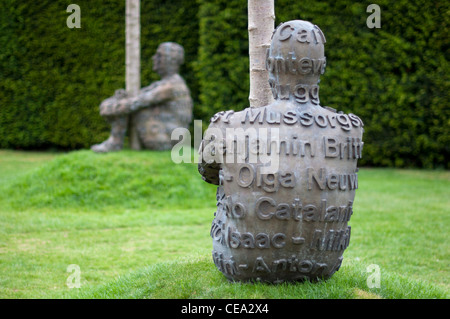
x=158, y=109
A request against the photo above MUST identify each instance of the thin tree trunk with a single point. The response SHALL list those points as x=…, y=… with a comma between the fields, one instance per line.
x=133, y=61
x=261, y=23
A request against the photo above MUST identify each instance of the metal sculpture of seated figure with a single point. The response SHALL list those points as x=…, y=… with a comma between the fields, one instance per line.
x=286, y=172
x=158, y=108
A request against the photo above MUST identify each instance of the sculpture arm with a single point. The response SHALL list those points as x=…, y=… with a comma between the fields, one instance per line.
x=152, y=95
x=212, y=153
x=120, y=104
x=210, y=172
x=115, y=105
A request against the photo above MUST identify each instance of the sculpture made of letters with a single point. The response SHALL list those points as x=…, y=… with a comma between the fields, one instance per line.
x=286, y=172
x=158, y=108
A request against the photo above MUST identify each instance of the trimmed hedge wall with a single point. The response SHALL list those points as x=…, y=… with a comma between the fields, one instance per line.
x=395, y=78
x=54, y=77
x=223, y=62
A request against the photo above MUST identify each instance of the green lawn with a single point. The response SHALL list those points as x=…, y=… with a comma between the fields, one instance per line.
x=137, y=226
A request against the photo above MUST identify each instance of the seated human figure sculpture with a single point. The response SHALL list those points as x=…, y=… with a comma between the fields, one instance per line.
x=158, y=108
x=286, y=172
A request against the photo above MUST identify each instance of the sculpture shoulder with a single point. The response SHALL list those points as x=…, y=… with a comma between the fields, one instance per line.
x=175, y=81
x=227, y=119
x=165, y=84
x=349, y=123
x=216, y=132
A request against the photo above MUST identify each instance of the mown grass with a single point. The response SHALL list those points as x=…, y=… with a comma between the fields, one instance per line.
x=88, y=181
x=138, y=227
x=15, y=163
x=108, y=213
x=196, y=277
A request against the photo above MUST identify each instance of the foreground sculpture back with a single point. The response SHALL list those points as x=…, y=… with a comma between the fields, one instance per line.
x=158, y=109
x=286, y=172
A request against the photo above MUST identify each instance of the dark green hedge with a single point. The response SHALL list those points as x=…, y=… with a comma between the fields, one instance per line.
x=223, y=66
x=395, y=78
x=54, y=77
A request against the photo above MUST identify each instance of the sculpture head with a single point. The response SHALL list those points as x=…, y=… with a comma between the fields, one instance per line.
x=295, y=58
x=168, y=58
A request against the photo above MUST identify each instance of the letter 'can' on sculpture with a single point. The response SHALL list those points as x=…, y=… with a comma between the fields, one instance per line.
x=286, y=172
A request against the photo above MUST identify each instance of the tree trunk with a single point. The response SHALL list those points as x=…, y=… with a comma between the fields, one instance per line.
x=133, y=61
x=261, y=23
